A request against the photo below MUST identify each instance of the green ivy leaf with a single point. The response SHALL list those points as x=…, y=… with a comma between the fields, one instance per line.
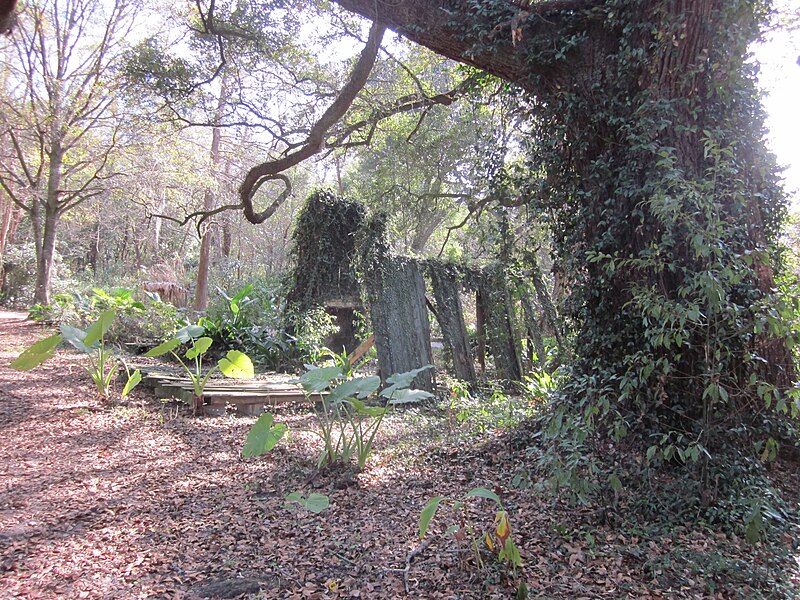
x=754, y=527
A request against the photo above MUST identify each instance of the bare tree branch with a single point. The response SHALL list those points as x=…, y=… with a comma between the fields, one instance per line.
x=474, y=211
x=316, y=137
x=404, y=104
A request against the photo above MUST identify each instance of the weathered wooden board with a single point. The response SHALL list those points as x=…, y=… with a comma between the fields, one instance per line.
x=249, y=397
x=450, y=314
x=400, y=321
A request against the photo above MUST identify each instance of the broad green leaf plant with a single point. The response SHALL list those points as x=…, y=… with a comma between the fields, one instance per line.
x=102, y=365
x=235, y=364
x=497, y=539
x=314, y=503
x=349, y=413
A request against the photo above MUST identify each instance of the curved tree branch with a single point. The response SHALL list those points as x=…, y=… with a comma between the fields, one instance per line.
x=316, y=138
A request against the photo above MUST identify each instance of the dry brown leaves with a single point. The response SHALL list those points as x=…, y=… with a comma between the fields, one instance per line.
x=119, y=502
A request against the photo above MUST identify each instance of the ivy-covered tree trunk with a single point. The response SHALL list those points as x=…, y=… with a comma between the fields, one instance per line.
x=647, y=147
x=667, y=202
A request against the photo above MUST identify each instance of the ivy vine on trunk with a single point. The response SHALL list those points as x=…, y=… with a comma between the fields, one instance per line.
x=646, y=145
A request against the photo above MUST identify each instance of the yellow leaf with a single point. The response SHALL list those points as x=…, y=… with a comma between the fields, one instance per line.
x=489, y=542
x=503, y=526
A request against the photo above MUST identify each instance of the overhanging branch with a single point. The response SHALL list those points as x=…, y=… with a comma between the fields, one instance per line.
x=439, y=25
x=316, y=138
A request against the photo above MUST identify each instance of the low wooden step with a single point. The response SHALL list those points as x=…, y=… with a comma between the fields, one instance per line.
x=249, y=396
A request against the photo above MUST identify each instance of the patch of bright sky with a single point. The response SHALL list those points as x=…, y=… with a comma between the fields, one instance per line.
x=779, y=56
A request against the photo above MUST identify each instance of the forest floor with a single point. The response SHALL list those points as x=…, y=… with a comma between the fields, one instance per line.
x=138, y=501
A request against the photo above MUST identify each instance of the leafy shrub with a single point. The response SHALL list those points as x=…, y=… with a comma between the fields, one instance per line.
x=487, y=407
x=250, y=320
x=142, y=321
x=349, y=412
x=101, y=366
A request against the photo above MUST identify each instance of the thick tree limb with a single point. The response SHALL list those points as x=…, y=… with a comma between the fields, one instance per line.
x=8, y=17
x=440, y=24
x=316, y=137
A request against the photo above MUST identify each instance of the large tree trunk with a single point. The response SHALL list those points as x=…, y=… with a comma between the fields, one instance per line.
x=648, y=135
x=400, y=321
x=44, y=259
x=441, y=25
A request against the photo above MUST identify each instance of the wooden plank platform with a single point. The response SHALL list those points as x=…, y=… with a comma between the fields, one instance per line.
x=245, y=396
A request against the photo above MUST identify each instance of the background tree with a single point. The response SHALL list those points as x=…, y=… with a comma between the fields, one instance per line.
x=60, y=114
x=427, y=168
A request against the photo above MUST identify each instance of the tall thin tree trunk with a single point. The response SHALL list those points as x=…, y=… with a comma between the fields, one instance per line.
x=226, y=243
x=203, y=266
x=45, y=231
x=11, y=218
x=158, y=225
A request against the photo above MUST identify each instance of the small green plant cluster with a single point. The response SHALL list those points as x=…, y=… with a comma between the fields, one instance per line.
x=75, y=307
x=310, y=329
x=234, y=364
x=137, y=320
x=102, y=364
x=250, y=320
x=486, y=409
x=349, y=413
x=498, y=539
x=540, y=386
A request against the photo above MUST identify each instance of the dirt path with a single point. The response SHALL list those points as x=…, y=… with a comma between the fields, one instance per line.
x=98, y=502
x=127, y=502
x=135, y=502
